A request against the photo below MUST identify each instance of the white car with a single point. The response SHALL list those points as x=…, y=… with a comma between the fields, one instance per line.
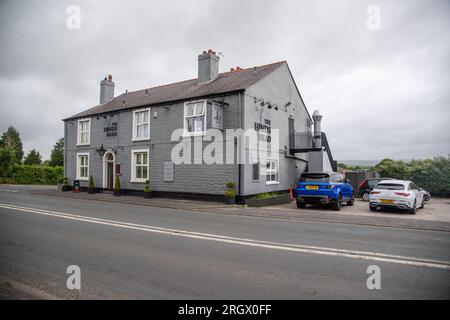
x=397, y=194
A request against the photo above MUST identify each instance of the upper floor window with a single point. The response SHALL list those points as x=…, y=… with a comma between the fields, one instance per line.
x=84, y=132
x=195, y=118
x=82, y=166
x=141, y=125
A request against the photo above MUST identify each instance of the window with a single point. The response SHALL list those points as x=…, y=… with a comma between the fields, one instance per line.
x=141, y=125
x=82, y=166
x=139, y=165
x=84, y=132
x=272, y=172
x=195, y=118
x=255, y=170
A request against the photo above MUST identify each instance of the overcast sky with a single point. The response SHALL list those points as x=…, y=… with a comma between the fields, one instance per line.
x=383, y=92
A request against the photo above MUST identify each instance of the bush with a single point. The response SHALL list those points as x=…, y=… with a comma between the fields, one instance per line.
x=431, y=174
x=91, y=186
x=230, y=192
x=117, y=187
x=147, y=187
x=34, y=174
x=230, y=185
x=269, y=195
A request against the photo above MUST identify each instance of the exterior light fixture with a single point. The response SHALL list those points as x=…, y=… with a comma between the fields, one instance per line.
x=101, y=151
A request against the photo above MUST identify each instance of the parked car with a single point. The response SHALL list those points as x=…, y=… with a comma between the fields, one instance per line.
x=397, y=194
x=367, y=185
x=426, y=194
x=323, y=188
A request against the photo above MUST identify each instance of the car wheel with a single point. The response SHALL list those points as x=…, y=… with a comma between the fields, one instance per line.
x=301, y=205
x=414, y=209
x=372, y=208
x=365, y=196
x=422, y=205
x=338, y=204
x=352, y=201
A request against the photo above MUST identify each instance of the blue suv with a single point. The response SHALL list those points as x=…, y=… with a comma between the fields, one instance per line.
x=323, y=188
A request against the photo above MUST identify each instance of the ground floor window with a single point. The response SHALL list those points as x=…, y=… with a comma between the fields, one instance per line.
x=272, y=172
x=139, y=165
x=82, y=166
x=255, y=168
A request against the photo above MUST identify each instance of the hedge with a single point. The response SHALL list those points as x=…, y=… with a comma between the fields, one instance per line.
x=34, y=174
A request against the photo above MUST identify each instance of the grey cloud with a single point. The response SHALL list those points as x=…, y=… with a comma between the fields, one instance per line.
x=383, y=93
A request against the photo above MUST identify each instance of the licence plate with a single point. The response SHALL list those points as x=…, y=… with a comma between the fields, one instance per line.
x=387, y=201
x=312, y=187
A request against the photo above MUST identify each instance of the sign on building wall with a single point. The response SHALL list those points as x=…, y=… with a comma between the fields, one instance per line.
x=111, y=131
x=168, y=171
x=217, y=117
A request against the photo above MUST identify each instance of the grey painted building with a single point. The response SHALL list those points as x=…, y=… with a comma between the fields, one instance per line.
x=130, y=135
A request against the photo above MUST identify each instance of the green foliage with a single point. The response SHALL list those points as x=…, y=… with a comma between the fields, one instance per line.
x=33, y=158
x=11, y=139
x=91, y=185
x=117, y=187
x=57, y=155
x=147, y=187
x=25, y=174
x=352, y=168
x=430, y=174
x=66, y=181
x=230, y=185
x=230, y=192
x=269, y=195
x=7, y=161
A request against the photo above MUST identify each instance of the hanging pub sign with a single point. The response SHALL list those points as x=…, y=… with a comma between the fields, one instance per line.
x=263, y=130
x=111, y=131
x=217, y=117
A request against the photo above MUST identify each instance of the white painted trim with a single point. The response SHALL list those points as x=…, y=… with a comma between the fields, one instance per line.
x=134, y=133
x=133, y=166
x=79, y=133
x=205, y=121
x=78, y=166
x=105, y=169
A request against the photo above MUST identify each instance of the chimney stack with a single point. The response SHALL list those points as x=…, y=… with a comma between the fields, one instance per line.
x=208, y=66
x=106, y=89
x=317, y=117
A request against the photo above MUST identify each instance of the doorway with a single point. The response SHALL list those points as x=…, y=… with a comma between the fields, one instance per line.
x=109, y=170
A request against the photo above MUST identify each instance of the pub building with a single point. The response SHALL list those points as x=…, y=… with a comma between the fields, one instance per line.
x=130, y=135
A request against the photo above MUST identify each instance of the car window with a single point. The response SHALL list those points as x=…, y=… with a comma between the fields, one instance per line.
x=390, y=186
x=373, y=183
x=315, y=177
x=413, y=186
x=338, y=177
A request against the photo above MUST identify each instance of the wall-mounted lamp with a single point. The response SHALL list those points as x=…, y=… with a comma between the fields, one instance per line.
x=101, y=151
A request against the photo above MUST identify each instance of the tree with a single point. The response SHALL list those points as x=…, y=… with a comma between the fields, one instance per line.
x=57, y=155
x=11, y=139
x=7, y=161
x=393, y=169
x=33, y=158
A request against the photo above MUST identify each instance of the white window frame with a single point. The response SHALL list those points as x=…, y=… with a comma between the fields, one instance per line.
x=205, y=108
x=78, y=169
x=88, y=142
x=135, y=137
x=270, y=171
x=133, y=165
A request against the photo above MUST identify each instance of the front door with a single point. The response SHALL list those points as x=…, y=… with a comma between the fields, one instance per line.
x=110, y=175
